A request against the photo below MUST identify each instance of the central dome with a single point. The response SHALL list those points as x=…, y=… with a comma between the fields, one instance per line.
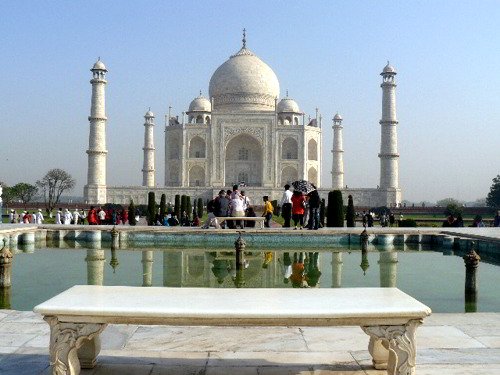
x=244, y=82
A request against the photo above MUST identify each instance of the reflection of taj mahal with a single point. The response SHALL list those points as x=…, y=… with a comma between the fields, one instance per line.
x=241, y=133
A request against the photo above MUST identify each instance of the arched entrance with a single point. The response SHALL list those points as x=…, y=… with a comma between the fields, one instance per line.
x=243, y=160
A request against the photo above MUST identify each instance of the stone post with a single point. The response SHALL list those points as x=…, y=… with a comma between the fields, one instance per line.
x=337, y=265
x=240, y=245
x=471, y=260
x=147, y=268
x=5, y=266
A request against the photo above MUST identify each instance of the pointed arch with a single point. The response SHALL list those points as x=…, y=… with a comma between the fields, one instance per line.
x=312, y=150
x=197, y=147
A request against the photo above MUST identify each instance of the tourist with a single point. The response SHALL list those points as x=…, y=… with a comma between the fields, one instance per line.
x=221, y=205
x=314, y=203
x=68, y=217
x=229, y=223
x=298, y=206
x=173, y=221
x=83, y=216
x=211, y=220
x=11, y=216
x=39, y=217
x=76, y=216
x=297, y=277
x=449, y=222
x=59, y=216
x=26, y=217
x=124, y=216
x=92, y=216
x=196, y=221
x=185, y=219
x=392, y=219
x=33, y=218
x=102, y=216
x=246, y=201
x=286, y=206
x=496, y=219
x=236, y=206
x=478, y=222
x=250, y=212
x=268, y=211
x=459, y=221
x=21, y=218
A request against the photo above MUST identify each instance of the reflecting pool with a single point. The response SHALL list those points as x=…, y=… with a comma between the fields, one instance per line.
x=434, y=277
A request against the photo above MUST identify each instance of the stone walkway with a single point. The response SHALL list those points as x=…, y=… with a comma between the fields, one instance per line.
x=447, y=344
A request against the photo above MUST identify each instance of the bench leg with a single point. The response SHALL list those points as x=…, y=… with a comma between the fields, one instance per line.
x=400, y=342
x=66, y=339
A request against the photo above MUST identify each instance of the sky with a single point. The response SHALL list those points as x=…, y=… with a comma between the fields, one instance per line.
x=328, y=54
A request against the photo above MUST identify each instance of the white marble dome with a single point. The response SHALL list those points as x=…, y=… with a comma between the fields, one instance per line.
x=288, y=105
x=200, y=104
x=389, y=69
x=99, y=65
x=149, y=114
x=244, y=82
x=337, y=117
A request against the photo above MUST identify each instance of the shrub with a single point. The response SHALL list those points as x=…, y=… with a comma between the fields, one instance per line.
x=183, y=205
x=407, y=223
x=322, y=210
x=163, y=206
x=131, y=213
x=335, y=209
x=199, y=211
x=350, y=215
x=189, y=207
x=177, y=205
x=151, y=208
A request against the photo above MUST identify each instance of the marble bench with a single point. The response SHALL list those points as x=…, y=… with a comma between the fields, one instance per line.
x=257, y=219
x=78, y=315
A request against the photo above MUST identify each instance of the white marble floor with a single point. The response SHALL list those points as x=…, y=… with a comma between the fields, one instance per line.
x=447, y=344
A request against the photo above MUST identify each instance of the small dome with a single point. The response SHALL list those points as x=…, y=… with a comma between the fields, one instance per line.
x=389, y=69
x=149, y=114
x=200, y=104
x=337, y=117
x=288, y=105
x=99, y=65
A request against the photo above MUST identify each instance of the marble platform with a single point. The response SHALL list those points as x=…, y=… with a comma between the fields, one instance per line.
x=458, y=344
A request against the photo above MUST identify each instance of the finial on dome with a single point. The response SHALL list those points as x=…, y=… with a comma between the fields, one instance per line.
x=287, y=93
x=244, y=40
x=200, y=92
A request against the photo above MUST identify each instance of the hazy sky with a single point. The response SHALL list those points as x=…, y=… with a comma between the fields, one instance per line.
x=328, y=54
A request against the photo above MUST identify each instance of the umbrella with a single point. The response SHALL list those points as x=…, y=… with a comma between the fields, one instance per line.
x=304, y=186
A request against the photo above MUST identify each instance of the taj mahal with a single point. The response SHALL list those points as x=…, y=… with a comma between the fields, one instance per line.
x=242, y=133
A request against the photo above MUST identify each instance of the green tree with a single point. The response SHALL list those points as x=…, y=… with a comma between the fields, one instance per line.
x=177, y=206
x=453, y=209
x=163, y=206
x=131, y=213
x=53, y=184
x=350, y=215
x=200, y=207
x=8, y=194
x=189, y=207
x=183, y=204
x=446, y=201
x=493, y=198
x=322, y=212
x=335, y=209
x=151, y=208
x=24, y=192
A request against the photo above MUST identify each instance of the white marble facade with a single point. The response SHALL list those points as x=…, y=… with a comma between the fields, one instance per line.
x=243, y=134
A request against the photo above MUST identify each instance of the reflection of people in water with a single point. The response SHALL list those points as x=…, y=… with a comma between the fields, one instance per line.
x=297, y=277
x=313, y=273
x=268, y=257
x=286, y=267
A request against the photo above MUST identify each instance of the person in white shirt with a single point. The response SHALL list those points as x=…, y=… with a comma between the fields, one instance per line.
x=67, y=217
x=246, y=201
x=39, y=217
x=21, y=219
x=102, y=216
x=76, y=216
x=58, y=216
x=11, y=217
x=286, y=206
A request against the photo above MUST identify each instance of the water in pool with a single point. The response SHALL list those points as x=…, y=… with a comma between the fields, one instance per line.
x=433, y=277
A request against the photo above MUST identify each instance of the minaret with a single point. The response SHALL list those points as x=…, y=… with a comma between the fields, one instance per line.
x=95, y=190
x=389, y=157
x=148, y=169
x=338, y=154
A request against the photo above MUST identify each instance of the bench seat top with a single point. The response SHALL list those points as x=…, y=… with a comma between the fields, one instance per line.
x=253, y=306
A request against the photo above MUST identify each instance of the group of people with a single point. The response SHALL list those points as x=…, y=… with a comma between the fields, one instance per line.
x=234, y=203
x=100, y=216
x=304, y=210
x=25, y=217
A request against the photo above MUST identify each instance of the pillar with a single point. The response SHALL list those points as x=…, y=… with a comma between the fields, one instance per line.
x=338, y=154
x=148, y=169
x=95, y=189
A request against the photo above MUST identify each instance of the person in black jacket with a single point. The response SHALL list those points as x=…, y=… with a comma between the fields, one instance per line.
x=314, y=203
